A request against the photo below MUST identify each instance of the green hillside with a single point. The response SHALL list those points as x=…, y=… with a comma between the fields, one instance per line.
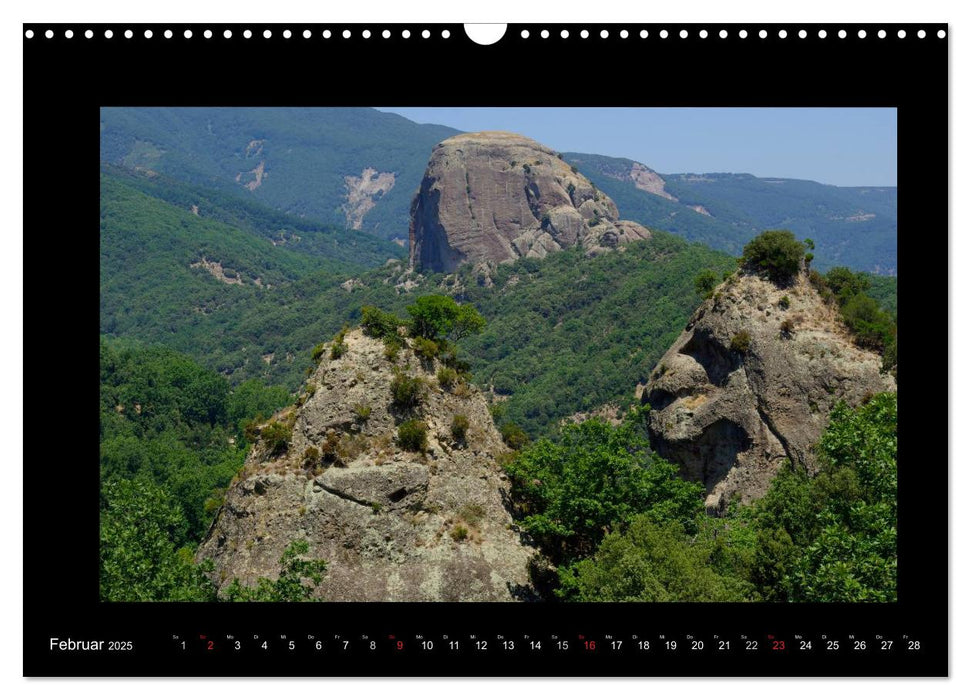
x=565, y=335
x=852, y=226
x=655, y=211
x=291, y=233
x=171, y=441
x=295, y=160
x=226, y=261
x=155, y=285
x=556, y=352
x=305, y=154
x=547, y=352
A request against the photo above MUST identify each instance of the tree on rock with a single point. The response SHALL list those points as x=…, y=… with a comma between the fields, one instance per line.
x=438, y=317
x=705, y=282
x=775, y=253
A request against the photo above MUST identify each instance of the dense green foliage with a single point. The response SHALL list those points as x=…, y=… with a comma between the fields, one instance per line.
x=150, y=291
x=623, y=527
x=172, y=437
x=705, y=282
x=167, y=419
x=379, y=324
x=846, y=284
x=306, y=154
x=141, y=560
x=253, y=402
x=777, y=254
x=572, y=491
x=834, y=537
x=852, y=226
x=884, y=290
x=570, y=333
x=437, y=317
x=868, y=303
x=294, y=584
x=652, y=562
x=873, y=326
x=565, y=334
x=514, y=436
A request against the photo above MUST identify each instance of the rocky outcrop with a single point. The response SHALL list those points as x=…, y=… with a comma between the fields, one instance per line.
x=638, y=174
x=363, y=192
x=750, y=383
x=393, y=524
x=496, y=196
x=647, y=180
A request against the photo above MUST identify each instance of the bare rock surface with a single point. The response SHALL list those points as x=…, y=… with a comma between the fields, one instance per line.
x=496, y=196
x=393, y=524
x=647, y=180
x=363, y=192
x=750, y=383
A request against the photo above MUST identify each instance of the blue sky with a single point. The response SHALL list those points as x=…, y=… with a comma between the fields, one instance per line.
x=829, y=145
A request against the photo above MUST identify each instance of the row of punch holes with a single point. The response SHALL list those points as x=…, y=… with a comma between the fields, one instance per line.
x=524, y=34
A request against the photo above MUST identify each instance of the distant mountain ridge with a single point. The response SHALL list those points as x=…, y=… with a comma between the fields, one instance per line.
x=352, y=167
x=300, y=234
x=224, y=286
x=851, y=226
x=360, y=168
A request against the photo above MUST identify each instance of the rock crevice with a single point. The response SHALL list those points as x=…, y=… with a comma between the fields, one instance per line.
x=750, y=383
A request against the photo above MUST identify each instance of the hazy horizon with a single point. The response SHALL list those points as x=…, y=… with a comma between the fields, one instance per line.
x=845, y=147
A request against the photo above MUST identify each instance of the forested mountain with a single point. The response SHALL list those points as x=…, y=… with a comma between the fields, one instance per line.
x=360, y=168
x=167, y=268
x=854, y=227
x=571, y=375
x=171, y=440
x=546, y=352
x=352, y=167
x=329, y=243
x=248, y=291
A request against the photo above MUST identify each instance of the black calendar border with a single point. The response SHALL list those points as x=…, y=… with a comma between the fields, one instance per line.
x=66, y=81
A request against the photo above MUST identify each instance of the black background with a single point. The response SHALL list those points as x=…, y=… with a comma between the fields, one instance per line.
x=66, y=81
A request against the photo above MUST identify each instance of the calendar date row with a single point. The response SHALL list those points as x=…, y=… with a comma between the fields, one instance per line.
x=556, y=644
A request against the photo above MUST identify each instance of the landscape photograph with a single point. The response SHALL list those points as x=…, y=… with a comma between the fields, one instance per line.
x=536, y=355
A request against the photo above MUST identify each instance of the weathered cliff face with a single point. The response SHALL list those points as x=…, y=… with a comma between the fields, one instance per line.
x=393, y=525
x=496, y=196
x=363, y=192
x=730, y=414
